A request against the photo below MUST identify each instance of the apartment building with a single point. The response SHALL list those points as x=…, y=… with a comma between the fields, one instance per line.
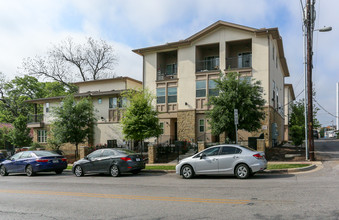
x=108, y=105
x=288, y=101
x=181, y=75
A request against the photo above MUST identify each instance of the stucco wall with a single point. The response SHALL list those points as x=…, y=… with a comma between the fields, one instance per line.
x=102, y=85
x=108, y=131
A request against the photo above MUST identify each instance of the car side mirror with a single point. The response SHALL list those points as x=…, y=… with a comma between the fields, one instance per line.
x=202, y=156
x=86, y=158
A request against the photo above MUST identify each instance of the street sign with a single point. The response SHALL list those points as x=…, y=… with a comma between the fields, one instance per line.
x=236, y=116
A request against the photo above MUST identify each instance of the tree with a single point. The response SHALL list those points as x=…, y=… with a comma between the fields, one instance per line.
x=74, y=121
x=4, y=136
x=20, y=134
x=69, y=60
x=14, y=93
x=297, y=121
x=140, y=120
x=240, y=93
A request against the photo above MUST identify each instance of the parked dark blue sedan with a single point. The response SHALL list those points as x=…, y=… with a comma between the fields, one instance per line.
x=2, y=157
x=31, y=162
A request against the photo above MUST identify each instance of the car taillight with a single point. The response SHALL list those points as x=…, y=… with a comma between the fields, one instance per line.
x=125, y=158
x=42, y=160
x=64, y=159
x=258, y=156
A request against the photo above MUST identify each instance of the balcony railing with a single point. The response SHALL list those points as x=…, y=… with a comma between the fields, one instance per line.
x=207, y=65
x=240, y=62
x=170, y=72
x=35, y=118
x=35, y=121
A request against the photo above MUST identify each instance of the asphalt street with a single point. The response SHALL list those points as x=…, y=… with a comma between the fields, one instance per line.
x=326, y=149
x=310, y=195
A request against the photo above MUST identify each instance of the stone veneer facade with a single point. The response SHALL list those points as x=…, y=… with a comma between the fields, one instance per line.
x=186, y=125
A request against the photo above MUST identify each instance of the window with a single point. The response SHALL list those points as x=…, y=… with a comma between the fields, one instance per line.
x=201, y=125
x=42, y=136
x=99, y=100
x=16, y=156
x=47, y=107
x=162, y=127
x=107, y=153
x=123, y=102
x=273, y=53
x=113, y=102
x=172, y=94
x=244, y=60
x=212, y=88
x=230, y=150
x=200, y=88
x=211, y=63
x=26, y=154
x=95, y=154
x=212, y=151
x=171, y=69
x=161, y=95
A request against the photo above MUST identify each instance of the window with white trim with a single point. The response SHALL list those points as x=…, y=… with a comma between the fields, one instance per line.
x=42, y=136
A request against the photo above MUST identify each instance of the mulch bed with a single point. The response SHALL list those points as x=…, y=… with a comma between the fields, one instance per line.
x=278, y=153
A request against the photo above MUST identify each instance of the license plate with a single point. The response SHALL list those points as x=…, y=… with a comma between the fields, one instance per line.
x=137, y=159
x=55, y=161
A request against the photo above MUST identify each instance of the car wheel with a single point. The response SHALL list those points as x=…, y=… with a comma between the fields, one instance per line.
x=29, y=171
x=78, y=171
x=135, y=171
x=187, y=172
x=242, y=171
x=3, y=171
x=114, y=171
x=59, y=171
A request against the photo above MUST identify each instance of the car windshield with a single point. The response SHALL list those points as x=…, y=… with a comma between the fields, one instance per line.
x=45, y=153
x=126, y=151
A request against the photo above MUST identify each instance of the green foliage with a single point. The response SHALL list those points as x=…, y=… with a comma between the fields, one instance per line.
x=322, y=132
x=20, y=135
x=297, y=122
x=239, y=93
x=74, y=121
x=140, y=120
x=15, y=92
x=35, y=146
x=4, y=136
x=297, y=134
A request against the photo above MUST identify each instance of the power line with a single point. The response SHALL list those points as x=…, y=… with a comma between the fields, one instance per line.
x=325, y=109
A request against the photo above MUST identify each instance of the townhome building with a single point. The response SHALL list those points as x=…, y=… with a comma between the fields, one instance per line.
x=108, y=104
x=288, y=101
x=181, y=75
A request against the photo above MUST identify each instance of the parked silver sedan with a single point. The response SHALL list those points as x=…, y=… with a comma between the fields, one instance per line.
x=223, y=160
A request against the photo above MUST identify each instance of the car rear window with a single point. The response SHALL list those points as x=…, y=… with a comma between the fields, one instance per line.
x=126, y=151
x=248, y=148
x=45, y=153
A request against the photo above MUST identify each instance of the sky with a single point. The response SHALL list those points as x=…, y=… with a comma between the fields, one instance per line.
x=30, y=28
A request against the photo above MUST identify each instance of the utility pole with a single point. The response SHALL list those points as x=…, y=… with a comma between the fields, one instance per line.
x=310, y=18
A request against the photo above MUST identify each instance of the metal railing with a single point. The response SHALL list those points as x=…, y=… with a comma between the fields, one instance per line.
x=240, y=62
x=207, y=65
x=35, y=118
x=167, y=73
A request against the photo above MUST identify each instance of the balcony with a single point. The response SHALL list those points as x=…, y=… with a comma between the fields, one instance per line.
x=243, y=61
x=35, y=121
x=208, y=64
x=167, y=73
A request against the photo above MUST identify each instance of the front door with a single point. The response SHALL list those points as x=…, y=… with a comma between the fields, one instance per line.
x=207, y=162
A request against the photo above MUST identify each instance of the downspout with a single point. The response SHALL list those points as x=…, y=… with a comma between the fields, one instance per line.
x=269, y=90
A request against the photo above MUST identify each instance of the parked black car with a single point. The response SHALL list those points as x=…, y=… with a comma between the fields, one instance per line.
x=315, y=134
x=2, y=157
x=113, y=161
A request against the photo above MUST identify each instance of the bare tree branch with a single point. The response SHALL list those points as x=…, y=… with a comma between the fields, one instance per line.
x=70, y=61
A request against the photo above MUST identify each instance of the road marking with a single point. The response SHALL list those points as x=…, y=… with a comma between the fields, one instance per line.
x=133, y=197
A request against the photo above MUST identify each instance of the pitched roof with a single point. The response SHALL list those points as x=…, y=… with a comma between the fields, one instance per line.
x=290, y=86
x=262, y=31
x=123, y=78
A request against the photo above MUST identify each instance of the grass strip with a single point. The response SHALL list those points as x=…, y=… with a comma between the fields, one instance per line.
x=163, y=167
x=285, y=166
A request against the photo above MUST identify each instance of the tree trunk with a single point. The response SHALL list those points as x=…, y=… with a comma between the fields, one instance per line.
x=76, y=151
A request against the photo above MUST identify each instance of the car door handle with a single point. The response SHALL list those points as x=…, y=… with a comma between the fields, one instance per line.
x=235, y=157
x=214, y=159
